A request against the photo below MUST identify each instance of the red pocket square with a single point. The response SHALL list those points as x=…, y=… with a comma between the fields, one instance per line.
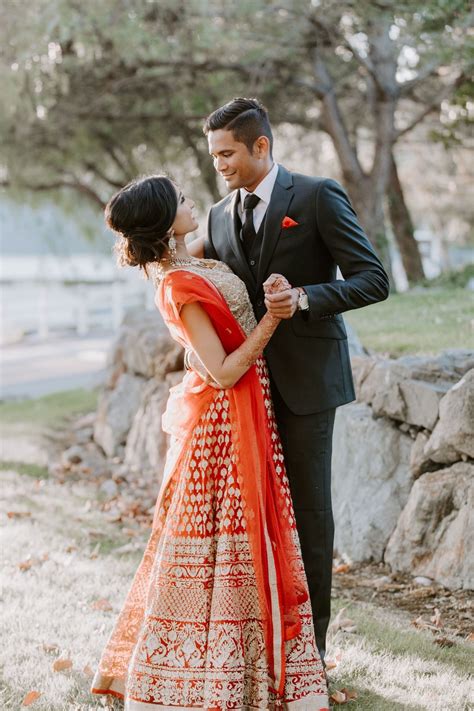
x=288, y=222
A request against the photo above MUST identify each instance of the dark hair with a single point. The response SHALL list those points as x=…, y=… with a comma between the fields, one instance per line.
x=142, y=213
x=246, y=118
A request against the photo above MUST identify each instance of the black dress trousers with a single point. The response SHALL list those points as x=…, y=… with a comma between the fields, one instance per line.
x=307, y=447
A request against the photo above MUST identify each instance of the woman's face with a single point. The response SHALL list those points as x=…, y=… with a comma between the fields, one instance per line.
x=185, y=221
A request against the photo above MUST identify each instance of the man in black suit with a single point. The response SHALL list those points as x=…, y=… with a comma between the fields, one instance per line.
x=302, y=227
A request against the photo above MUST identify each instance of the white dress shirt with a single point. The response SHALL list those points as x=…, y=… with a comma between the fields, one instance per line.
x=264, y=191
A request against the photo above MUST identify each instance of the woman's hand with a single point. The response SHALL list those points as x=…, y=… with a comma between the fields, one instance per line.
x=280, y=299
x=275, y=283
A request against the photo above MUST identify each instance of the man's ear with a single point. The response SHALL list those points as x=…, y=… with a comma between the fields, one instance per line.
x=261, y=147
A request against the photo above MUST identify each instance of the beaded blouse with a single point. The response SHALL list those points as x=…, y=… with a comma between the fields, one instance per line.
x=229, y=284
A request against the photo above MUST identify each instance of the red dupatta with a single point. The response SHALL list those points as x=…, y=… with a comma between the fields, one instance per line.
x=281, y=586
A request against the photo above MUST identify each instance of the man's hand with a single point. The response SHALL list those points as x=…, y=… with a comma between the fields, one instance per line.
x=280, y=299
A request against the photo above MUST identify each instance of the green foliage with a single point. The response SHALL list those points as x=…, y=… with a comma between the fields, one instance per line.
x=456, y=279
x=94, y=93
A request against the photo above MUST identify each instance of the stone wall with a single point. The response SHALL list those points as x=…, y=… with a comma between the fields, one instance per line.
x=403, y=484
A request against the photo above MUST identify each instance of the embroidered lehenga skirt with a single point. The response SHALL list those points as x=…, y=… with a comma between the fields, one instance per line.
x=201, y=628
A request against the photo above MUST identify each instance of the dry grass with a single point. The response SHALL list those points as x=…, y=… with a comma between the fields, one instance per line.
x=51, y=603
x=391, y=666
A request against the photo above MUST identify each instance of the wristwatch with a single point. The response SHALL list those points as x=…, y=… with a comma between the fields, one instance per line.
x=303, y=301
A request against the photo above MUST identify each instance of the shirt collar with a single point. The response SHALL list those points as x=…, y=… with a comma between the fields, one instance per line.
x=264, y=188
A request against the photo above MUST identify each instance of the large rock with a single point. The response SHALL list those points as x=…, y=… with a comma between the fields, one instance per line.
x=409, y=389
x=371, y=481
x=453, y=436
x=144, y=347
x=355, y=346
x=433, y=536
x=116, y=411
x=146, y=441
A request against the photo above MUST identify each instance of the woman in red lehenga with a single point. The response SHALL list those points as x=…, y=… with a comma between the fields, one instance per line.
x=218, y=614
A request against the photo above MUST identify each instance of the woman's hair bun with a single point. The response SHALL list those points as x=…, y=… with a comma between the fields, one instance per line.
x=142, y=213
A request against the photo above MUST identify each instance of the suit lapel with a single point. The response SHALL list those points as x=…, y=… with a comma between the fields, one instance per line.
x=234, y=240
x=277, y=209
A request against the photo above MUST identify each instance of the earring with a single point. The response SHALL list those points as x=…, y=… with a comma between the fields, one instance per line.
x=172, y=246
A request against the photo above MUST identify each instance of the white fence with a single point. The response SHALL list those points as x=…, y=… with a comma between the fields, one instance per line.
x=41, y=307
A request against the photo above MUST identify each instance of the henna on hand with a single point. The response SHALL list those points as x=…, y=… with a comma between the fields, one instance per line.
x=275, y=283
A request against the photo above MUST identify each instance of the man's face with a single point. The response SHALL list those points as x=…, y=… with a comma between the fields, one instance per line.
x=232, y=160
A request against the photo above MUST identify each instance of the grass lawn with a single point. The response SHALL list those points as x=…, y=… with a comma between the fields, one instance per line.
x=424, y=321
x=50, y=410
x=71, y=560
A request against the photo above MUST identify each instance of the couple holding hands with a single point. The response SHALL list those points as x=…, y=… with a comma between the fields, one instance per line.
x=230, y=605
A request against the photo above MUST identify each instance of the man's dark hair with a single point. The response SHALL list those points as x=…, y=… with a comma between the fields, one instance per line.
x=246, y=118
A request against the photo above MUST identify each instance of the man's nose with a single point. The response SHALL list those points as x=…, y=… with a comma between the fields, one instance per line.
x=221, y=165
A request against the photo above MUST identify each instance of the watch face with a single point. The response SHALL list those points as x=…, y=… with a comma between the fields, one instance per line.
x=303, y=302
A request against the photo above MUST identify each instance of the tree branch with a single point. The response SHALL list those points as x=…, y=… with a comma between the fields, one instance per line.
x=430, y=70
x=57, y=185
x=434, y=104
x=333, y=122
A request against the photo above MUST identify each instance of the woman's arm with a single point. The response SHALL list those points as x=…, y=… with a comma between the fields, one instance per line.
x=225, y=369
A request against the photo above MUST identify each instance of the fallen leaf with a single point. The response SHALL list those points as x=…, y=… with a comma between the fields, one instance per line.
x=102, y=604
x=130, y=532
x=421, y=624
x=343, y=568
x=26, y=564
x=62, y=665
x=470, y=637
x=50, y=648
x=349, y=694
x=338, y=697
x=421, y=593
x=443, y=642
x=31, y=697
x=436, y=619
x=71, y=549
x=18, y=514
x=342, y=623
x=333, y=660
x=95, y=552
x=88, y=671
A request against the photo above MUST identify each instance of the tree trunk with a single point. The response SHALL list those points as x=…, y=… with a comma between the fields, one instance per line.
x=403, y=230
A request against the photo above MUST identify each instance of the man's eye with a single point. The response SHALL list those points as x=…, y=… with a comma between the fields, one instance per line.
x=182, y=199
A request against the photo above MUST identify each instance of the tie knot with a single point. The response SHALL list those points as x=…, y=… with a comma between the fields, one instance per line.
x=251, y=201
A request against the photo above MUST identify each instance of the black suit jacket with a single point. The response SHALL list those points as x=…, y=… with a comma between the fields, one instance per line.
x=308, y=355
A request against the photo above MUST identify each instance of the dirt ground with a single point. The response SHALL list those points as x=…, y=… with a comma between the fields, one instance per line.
x=447, y=613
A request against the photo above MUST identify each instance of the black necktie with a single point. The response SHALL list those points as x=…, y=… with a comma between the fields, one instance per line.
x=248, y=229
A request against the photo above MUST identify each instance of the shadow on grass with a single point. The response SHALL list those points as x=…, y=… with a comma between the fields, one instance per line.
x=370, y=701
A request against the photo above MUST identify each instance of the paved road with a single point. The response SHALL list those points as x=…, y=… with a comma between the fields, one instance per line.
x=33, y=368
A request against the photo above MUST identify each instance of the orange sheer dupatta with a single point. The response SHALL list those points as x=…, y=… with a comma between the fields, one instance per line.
x=278, y=576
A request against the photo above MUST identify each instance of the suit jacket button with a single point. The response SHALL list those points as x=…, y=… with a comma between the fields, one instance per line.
x=260, y=302
x=252, y=262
